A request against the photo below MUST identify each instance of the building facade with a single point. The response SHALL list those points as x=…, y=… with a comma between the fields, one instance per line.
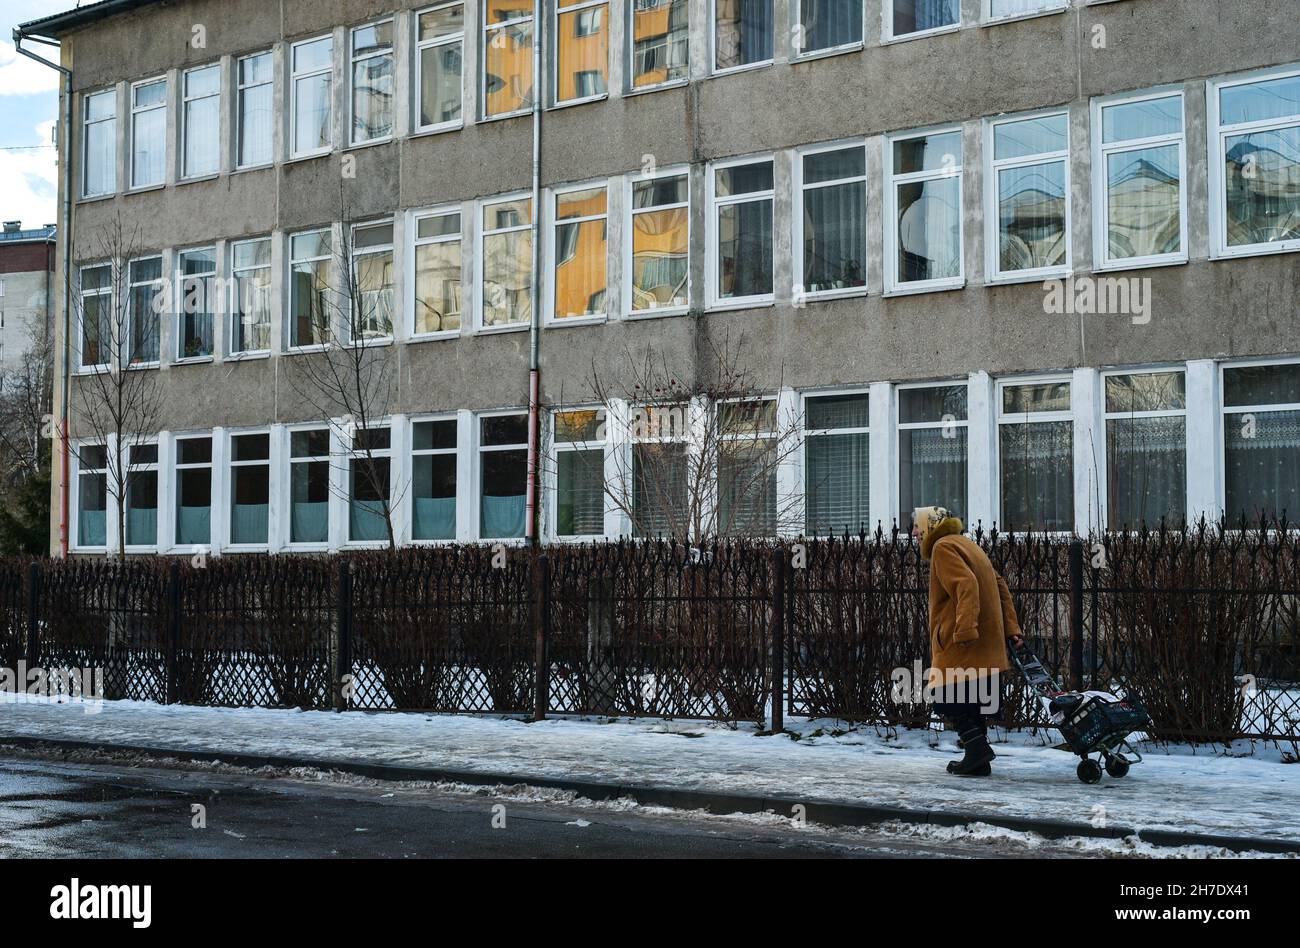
x=1036, y=260
x=26, y=291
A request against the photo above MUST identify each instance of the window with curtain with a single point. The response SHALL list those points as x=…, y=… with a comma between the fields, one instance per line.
x=581, y=49
x=96, y=313
x=372, y=82
x=250, y=488
x=1141, y=150
x=372, y=268
x=92, y=495
x=195, y=305
x=837, y=470
x=148, y=133
x=250, y=266
x=924, y=191
x=1261, y=441
x=256, y=105
x=579, y=473
x=145, y=283
x=659, y=486
x=309, y=288
x=1036, y=456
x=311, y=122
x=660, y=44
x=193, y=491
x=437, y=273
x=370, y=494
x=661, y=221
x=1258, y=182
x=747, y=501
x=742, y=219
x=507, y=262
x=1028, y=175
x=1146, y=449
x=742, y=33
x=201, y=134
x=142, y=495
x=919, y=16
x=309, y=485
x=507, y=60
x=581, y=252
x=834, y=225
x=99, y=144
x=503, y=476
x=828, y=24
x=433, y=479
x=439, y=51
x=932, y=450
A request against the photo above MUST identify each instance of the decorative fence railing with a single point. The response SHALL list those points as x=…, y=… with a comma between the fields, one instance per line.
x=1203, y=625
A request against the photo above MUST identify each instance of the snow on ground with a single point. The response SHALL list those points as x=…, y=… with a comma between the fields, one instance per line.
x=1187, y=789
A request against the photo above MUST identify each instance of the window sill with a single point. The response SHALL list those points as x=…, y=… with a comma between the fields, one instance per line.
x=438, y=129
x=359, y=146
x=308, y=156
x=143, y=366
x=1149, y=263
x=826, y=296
x=816, y=54
x=193, y=360
x=747, y=67
x=922, y=34
x=657, y=87
x=89, y=550
x=248, y=356
x=262, y=167
x=569, y=103
x=246, y=548
x=1257, y=250
x=749, y=302
x=1035, y=276
x=512, y=327
x=145, y=189
x=306, y=547
x=554, y=322
x=919, y=289
x=1032, y=15
x=198, y=178
x=518, y=113
x=658, y=313
x=434, y=336
x=306, y=350
x=95, y=198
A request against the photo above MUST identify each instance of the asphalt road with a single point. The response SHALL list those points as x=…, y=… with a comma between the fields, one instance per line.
x=54, y=806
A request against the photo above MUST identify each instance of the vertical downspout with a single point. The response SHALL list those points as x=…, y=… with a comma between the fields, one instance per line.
x=534, y=332
x=65, y=235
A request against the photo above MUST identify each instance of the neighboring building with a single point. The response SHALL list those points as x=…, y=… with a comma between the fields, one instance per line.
x=877, y=195
x=26, y=285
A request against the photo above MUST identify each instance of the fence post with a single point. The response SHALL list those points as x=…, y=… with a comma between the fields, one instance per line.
x=343, y=637
x=33, y=646
x=1076, y=614
x=173, y=629
x=541, y=620
x=779, y=556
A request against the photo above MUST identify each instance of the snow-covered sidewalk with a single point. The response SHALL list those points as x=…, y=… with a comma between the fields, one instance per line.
x=1177, y=789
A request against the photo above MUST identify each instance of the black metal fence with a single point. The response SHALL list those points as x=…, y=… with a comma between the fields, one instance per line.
x=1203, y=625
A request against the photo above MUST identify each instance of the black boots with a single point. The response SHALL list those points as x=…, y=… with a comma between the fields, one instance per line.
x=974, y=740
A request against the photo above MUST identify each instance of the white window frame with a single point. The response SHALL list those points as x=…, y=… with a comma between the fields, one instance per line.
x=210, y=299
x=712, y=252
x=553, y=475
x=234, y=311
x=286, y=489
x=481, y=233
x=83, y=294
x=900, y=426
x=132, y=469
x=86, y=122
x=290, y=260
x=893, y=285
x=1047, y=8
x=1101, y=150
x=992, y=211
x=352, y=454
x=177, y=466
x=798, y=53
x=128, y=342
x=553, y=225
x=186, y=101
x=228, y=486
x=629, y=88
x=240, y=88
x=629, y=183
x=564, y=7
x=1103, y=477
x=353, y=59
x=294, y=77
x=448, y=39
x=1001, y=419
x=414, y=453
x=140, y=110
x=413, y=228
x=806, y=432
x=713, y=45
x=1225, y=410
x=772, y=435
x=694, y=412
x=485, y=31
x=74, y=528
x=476, y=489
x=887, y=26
x=395, y=290
x=1219, y=249
x=801, y=291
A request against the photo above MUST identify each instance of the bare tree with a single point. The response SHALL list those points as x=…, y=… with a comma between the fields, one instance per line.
x=25, y=404
x=117, y=322
x=348, y=378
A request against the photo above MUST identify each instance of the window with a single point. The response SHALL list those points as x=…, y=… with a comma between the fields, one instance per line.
x=148, y=133
x=923, y=245
x=1036, y=456
x=372, y=264
x=1141, y=202
x=1261, y=441
x=747, y=468
x=660, y=45
x=828, y=24
x=507, y=87
x=309, y=288
x=742, y=222
x=370, y=485
x=193, y=491
x=580, y=473
x=194, y=311
x=250, y=265
x=250, y=489
x=96, y=315
x=142, y=495
x=911, y=17
x=309, y=485
x=582, y=49
x=1146, y=449
x=256, y=110
x=832, y=230
x=440, y=45
x=836, y=463
x=506, y=256
x=372, y=82
x=146, y=291
x=503, y=476
x=201, y=141
x=742, y=33
x=437, y=273
x=1010, y=9
x=99, y=161
x=92, y=495
x=659, y=470
x=312, y=66
x=660, y=242
x=433, y=480
x=1029, y=178
x=1255, y=200
x=932, y=457
x=580, y=253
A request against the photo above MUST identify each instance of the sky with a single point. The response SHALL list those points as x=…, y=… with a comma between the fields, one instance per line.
x=29, y=105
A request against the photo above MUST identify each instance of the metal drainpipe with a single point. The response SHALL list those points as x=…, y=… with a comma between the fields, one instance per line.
x=64, y=234
x=535, y=295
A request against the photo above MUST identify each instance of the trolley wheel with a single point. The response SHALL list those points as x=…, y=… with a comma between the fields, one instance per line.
x=1117, y=766
x=1089, y=771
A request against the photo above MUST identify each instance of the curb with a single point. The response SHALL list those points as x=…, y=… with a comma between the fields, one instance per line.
x=823, y=812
